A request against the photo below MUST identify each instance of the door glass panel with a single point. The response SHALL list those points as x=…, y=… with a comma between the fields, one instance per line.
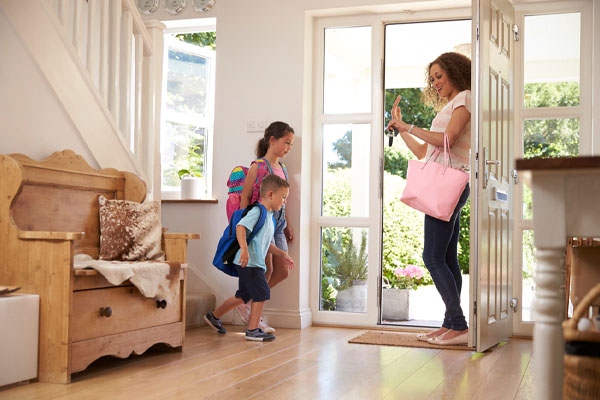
x=528, y=270
x=551, y=137
x=343, y=269
x=347, y=70
x=527, y=201
x=551, y=60
x=346, y=170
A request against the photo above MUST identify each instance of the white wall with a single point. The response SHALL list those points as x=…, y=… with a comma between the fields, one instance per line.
x=259, y=76
x=32, y=120
x=263, y=72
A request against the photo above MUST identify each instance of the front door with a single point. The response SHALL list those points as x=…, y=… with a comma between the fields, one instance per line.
x=494, y=160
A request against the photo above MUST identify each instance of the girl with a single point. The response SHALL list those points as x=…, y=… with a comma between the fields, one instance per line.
x=448, y=85
x=275, y=144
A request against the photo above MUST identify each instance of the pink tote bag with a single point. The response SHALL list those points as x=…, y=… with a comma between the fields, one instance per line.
x=434, y=188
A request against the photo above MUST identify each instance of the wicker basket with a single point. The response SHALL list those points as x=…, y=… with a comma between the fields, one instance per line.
x=582, y=372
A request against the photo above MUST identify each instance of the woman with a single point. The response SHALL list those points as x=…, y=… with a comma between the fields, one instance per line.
x=448, y=85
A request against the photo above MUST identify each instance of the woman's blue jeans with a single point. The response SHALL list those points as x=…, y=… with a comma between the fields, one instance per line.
x=440, y=255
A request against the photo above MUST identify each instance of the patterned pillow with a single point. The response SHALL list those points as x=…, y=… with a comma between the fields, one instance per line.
x=129, y=231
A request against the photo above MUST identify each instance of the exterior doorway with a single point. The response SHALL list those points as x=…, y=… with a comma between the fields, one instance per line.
x=408, y=296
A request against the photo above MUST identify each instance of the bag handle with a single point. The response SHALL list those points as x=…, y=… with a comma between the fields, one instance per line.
x=436, y=152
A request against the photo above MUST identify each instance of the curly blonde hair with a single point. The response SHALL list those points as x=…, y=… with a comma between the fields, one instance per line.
x=458, y=70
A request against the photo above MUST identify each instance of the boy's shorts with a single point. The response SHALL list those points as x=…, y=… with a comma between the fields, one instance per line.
x=252, y=284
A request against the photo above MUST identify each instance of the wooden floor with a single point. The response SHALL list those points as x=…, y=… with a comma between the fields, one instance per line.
x=314, y=363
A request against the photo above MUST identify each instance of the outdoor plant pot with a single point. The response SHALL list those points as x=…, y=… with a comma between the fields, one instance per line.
x=394, y=304
x=192, y=187
x=352, y=299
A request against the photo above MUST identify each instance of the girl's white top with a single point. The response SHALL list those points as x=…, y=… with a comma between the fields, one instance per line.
x=459, y=152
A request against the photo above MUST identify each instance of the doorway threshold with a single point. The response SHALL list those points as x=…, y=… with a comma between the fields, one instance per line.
x=418, y=323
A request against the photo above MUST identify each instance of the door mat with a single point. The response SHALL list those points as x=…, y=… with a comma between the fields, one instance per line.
x=401, y=339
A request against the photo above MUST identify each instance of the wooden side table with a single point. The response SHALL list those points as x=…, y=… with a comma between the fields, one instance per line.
x=566, y=198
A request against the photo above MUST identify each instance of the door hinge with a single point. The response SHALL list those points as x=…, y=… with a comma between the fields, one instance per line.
x=515, y=29
x=475, y=307
x=477, y=31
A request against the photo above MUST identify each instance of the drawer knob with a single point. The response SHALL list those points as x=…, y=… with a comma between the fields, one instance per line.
x=105, y=312
x=161, y=304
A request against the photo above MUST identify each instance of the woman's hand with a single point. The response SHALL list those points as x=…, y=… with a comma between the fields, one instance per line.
x=289, y=234
x=396, y=120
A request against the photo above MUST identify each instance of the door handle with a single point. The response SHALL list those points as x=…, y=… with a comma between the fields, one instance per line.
x=515, y=176
x=492, y=162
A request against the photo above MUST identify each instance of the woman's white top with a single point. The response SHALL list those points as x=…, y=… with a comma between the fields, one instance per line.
x=459, y=152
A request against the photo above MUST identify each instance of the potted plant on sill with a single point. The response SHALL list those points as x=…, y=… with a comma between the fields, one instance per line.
x=192, y=184
x=349, y=268
x=396, y=290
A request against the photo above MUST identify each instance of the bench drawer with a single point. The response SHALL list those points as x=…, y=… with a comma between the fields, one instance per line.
x=128, y=308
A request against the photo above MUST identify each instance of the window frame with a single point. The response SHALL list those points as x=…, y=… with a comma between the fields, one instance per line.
x=208, y=121
x=583, y=112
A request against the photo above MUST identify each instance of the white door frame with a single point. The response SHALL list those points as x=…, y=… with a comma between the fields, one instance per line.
x=374, y=221
x=583, y=112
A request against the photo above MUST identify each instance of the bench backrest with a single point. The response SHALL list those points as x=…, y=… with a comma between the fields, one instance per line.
x=61, y=194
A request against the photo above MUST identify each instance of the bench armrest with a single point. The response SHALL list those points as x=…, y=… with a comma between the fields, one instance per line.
x=49, y=235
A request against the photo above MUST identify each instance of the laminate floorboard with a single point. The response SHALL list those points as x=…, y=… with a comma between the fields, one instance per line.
x=313, y=363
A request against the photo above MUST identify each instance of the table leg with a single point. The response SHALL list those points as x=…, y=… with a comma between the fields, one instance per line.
x=548, y=343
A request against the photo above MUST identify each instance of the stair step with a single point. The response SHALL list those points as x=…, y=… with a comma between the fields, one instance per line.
x=198, y=304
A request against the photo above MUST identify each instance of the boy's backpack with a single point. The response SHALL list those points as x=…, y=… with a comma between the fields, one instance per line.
x=235, y=183
x=228, y=244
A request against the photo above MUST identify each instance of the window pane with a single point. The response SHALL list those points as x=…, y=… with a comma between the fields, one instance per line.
x=551, y=66
x=529, y=286
x=347, y=80
x=551, y=137
x=346, y=170
x=344, y=269
x=184, y=146
x=187, y=83
x=527, y=201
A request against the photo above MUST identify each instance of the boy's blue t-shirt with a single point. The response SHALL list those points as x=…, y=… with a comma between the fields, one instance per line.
x=259, y=246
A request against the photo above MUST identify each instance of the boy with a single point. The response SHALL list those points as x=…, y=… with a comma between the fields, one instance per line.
x=250, y=260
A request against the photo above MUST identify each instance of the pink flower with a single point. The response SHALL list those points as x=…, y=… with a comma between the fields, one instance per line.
x=410, y=271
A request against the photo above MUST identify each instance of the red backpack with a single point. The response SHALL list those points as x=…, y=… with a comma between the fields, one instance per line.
x=235, y=183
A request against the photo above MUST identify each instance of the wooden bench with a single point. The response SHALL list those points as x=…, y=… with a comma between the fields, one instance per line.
x=48, y=214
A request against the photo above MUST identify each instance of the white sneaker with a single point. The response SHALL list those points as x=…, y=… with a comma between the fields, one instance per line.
x=265, y=328
x=243, y=311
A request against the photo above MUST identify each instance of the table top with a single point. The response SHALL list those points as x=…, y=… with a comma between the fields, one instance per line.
x=565, y=163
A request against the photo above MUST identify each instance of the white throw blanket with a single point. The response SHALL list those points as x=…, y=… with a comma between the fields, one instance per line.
x=153, y=279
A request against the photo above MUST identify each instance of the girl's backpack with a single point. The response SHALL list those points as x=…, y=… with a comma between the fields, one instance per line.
x=235, y=183
x=228, y=244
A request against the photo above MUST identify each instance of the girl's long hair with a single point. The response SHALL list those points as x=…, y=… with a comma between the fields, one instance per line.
x=458, y=70
x=277, y=130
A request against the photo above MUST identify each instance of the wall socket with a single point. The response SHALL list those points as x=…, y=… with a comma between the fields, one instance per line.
x=253, y=126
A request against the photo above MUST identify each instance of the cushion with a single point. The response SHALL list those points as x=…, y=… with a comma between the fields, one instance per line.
x=129, y=231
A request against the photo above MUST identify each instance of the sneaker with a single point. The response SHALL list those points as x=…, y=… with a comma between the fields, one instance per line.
x=258, y=335
x=243, y=310
x=214, y=322
x=266, y=328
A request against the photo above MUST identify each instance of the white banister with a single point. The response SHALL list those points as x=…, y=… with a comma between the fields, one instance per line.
x=76, y=24
x=91, y=48
x=61, y=11
x=139, y=70
x=103, y=71
x=125, y=75
x=115, y=56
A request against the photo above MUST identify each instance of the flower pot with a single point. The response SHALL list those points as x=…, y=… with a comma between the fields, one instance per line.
x=353, y=299
x=192, y=187
x=394, y=304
